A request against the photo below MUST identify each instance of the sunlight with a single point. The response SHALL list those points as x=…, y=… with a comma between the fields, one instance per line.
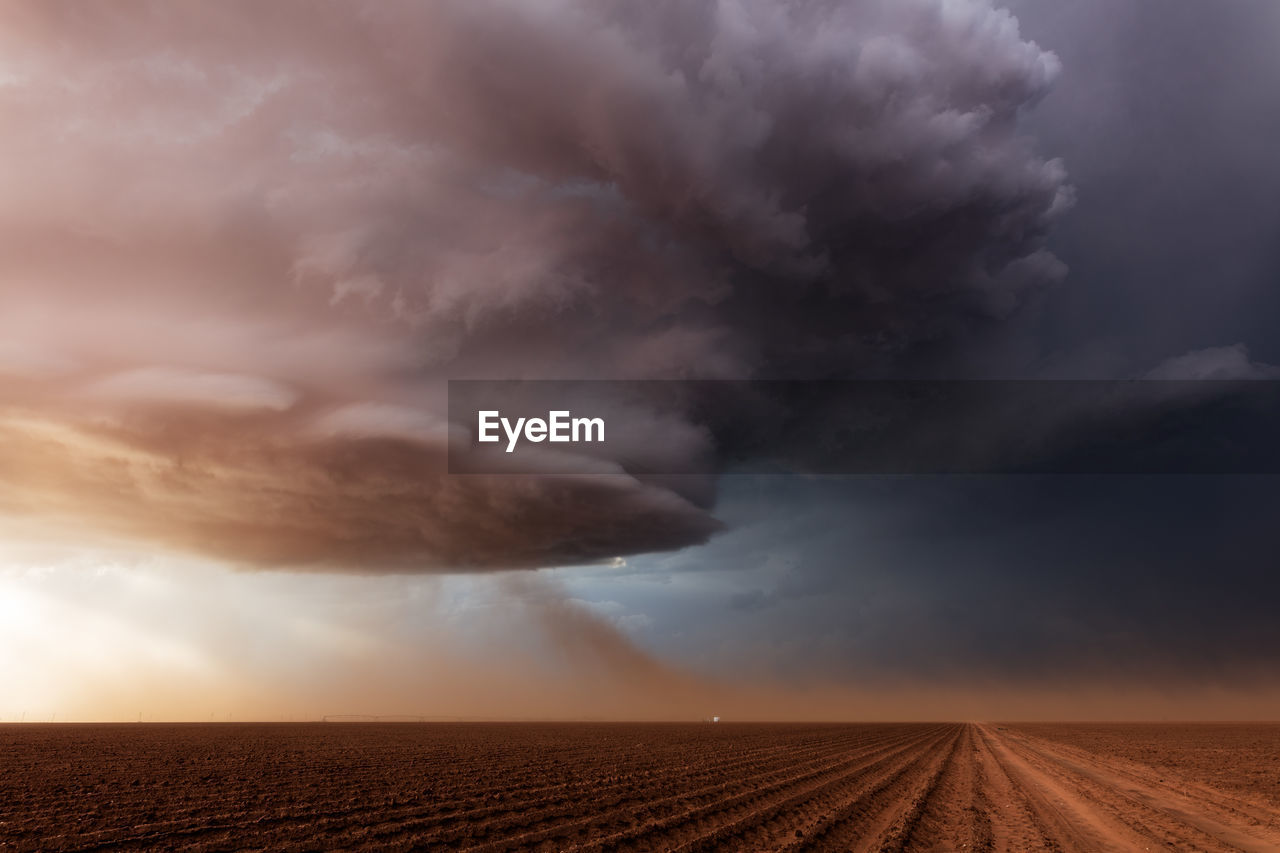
x=58, y=654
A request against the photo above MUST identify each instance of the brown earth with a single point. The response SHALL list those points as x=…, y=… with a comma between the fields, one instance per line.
x=492, y=787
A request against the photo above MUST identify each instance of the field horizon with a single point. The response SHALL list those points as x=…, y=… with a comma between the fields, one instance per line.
x=432, y=719
x=488, y=786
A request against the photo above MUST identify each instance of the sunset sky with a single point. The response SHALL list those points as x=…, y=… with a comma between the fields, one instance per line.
x=244, y=246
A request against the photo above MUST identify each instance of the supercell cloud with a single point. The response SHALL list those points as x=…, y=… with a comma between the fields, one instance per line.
x=242, y=247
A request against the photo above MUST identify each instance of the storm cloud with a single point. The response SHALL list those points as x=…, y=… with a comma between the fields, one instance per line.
x=1030, y=580
x=241, y=247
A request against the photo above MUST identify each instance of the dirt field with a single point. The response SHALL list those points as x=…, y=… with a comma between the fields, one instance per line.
x=490, y=787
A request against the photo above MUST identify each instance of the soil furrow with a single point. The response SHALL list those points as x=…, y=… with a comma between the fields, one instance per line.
x=531, y=827
x=779, y=824
x=670, y=813
x=383, y=821
x=597, y=787
x=874, y=817
x=950, y=817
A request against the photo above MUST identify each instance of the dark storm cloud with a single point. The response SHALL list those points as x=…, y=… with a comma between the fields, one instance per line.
x=1159, y=580
x=243, y=246
x=1168, y=117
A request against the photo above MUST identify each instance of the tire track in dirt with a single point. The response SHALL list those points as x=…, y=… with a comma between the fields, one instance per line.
x=1228, y=806
x=1014, y=823
x=1067, y=820
x=1128, y=822
x=1151, y=811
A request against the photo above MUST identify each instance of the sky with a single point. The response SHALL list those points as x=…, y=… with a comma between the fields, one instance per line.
x=242, y=250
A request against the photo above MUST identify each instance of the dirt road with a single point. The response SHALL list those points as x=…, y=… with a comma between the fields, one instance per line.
x=606, y=787
x=1043, y=794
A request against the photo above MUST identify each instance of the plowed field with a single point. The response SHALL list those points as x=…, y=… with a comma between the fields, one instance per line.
x=492, y=787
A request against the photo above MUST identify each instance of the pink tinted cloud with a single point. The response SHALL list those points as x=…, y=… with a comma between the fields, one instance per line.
x=241, y=246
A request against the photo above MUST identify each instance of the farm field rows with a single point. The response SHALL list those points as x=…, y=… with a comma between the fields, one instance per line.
x=632, y=787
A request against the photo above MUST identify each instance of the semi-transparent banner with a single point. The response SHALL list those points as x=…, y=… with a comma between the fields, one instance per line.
x=864, y=427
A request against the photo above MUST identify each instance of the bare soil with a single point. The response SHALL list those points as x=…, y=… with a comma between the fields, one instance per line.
x=632, y=787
